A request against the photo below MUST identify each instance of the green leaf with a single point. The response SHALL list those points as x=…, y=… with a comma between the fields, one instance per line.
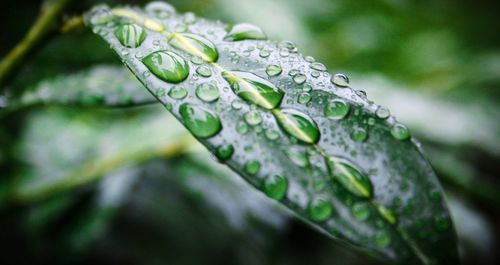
x=103, y=85
x=356, y=175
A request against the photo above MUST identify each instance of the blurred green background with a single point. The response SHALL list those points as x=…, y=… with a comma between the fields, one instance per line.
x=113, y=185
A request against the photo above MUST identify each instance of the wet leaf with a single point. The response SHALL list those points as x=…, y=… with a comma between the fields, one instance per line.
x=353, y=156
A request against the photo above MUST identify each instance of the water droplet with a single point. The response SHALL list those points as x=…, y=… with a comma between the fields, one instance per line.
x=382, y=239
x=400, y=132
x=350, y=178
x=236, y=104
x=336, y=109
x=254, y=89
x=196, y=60
x=200, y=121
x=318, y=66
x=130, y=35
x=340, y=80
x=177, y=92
x=361, y=211
x=359, y=134
x=304, y=98
x=160, y=9
x=320, y=209
x=298, y=125
x=293, y=72
x=273, y=70
x=252, y=167
x=101, y=15
x=241, y=127
x=224, y=152
x=180, y=28
x=298, y=158
x=195, y=45
x=272, y=134
x=387, y=214
x=167, y=66
x=299, y=79
x=245, y=31
x=275, y=187
x=309, y=59
x=203, y=71
x=189, y=18
x=264, y=53
x=253, y=117
x=207, y=92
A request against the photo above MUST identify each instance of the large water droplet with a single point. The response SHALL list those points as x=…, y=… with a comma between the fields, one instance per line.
x=130, y=35
x=252, y=167
x=254, y=89
x=224, y=152
x=340, y=80
x=167, y=66
x=400, y=132
x=320, y=209
x=200, y=121
x=177, y=92
x=245, y=31
x=298, y=125
x=195, y=45
x=275, y=187
x=207, y=92
x=336, y=109
x=253, y=117
x=350, y=178
x=273, y=70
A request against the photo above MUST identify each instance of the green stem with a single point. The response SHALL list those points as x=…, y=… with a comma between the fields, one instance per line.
x=43, y=26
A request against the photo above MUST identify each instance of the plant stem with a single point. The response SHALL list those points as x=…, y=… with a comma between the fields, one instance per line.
x=43, y=25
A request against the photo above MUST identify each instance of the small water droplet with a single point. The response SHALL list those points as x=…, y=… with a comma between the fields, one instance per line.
x=273, y=70
x=340, y=80
x=224, y=152
x=382, y=112
x=299, y=79
x=236, y=104
x=207, y=92
x=359, y=134
x=167, y=66
x=253, y=117
x=264, y=53
x=245, y=31
x=298, y=125
x=318, y=66
x=200, y=121
x=400, y=132
x=275, y=187
x=272, y=134
x=254, y=89
x=195, y=45
x=298, y=158
x=130, y=35
x=252, y=167
x=241, y=127
x=350, y=178
x=336, y=109
x=203, y=71
x=177, y=92
x=361, y=211
x=304, y=98
x=189, y=18
x=320, y=209
x=160, y=9
x=382, y=239
x=180, y=28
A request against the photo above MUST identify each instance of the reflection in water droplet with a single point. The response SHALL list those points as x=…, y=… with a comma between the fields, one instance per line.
x=177, y=92
x=224, y=152
x=340, y=80
x=320, y=209
x=245, y=31
x=130, y=35
x=298, y=125
x=195, y=45
x=252, y=167
x=253, y=117
x=336, y=109
x=359, y=134
x=200, y=121
x=350, y=178
x=275, y=187
x=254, y=89
x=207, y=92
x=400, y=132
x=167, y=66
x=273, y=70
